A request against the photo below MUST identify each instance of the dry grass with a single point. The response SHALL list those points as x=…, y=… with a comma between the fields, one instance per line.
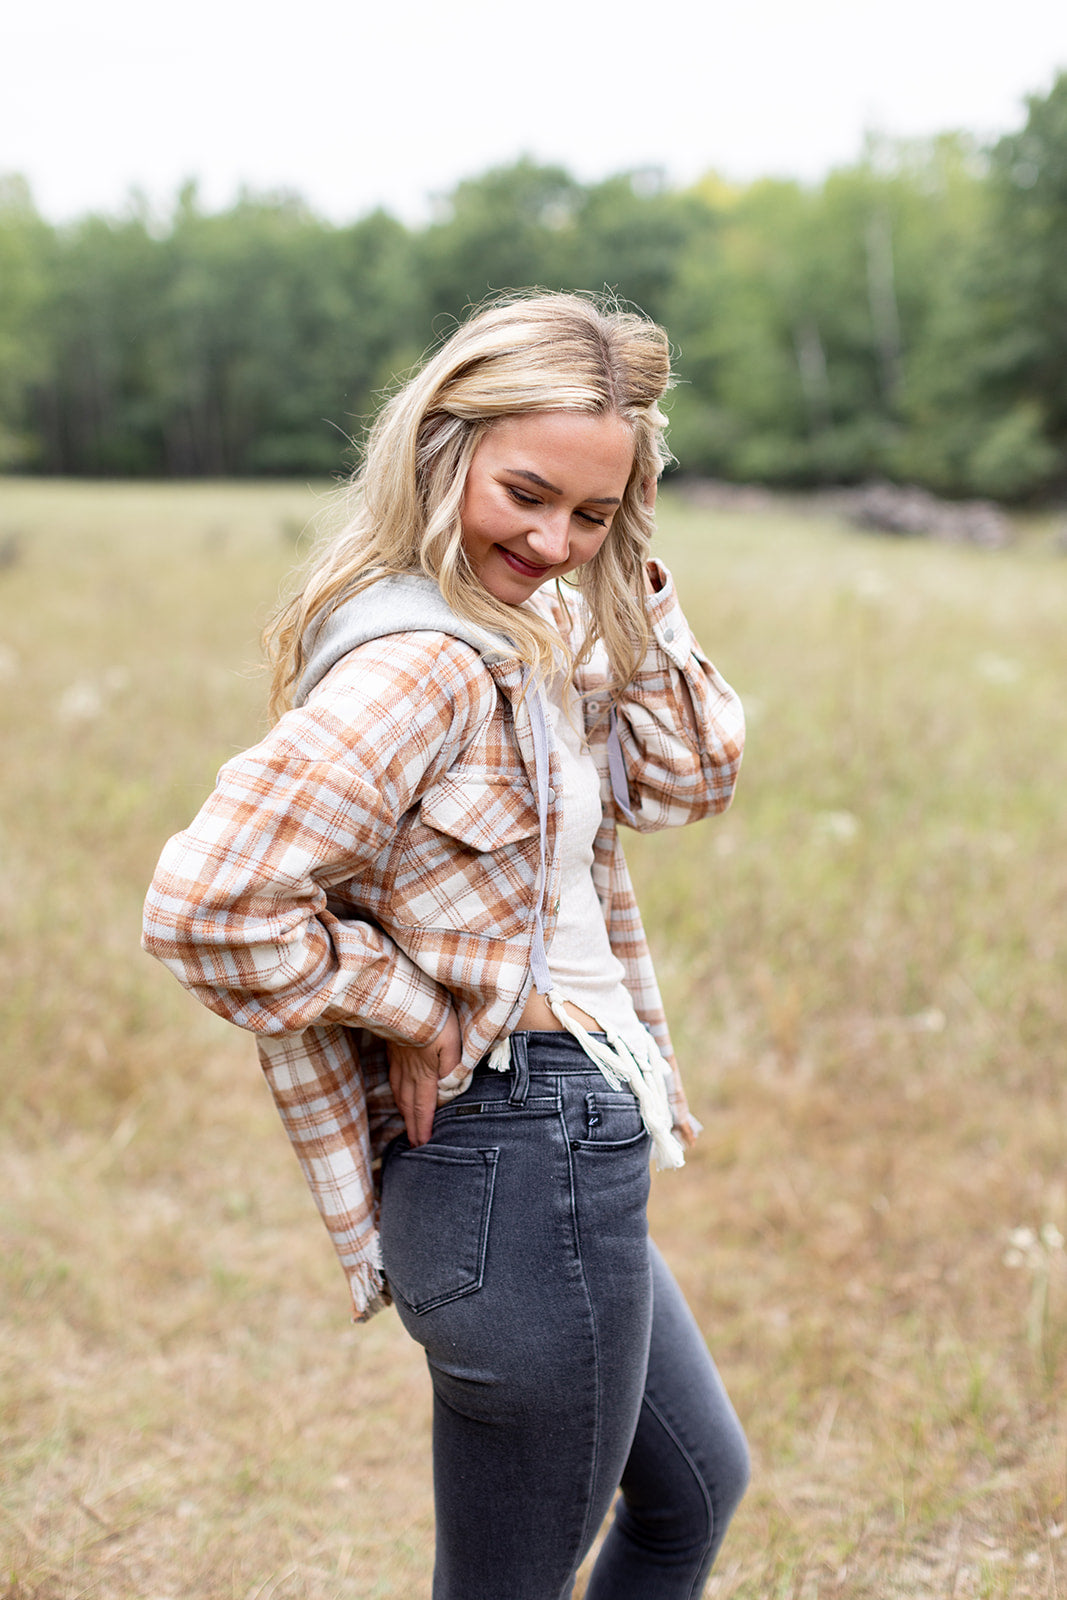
x=865, y=964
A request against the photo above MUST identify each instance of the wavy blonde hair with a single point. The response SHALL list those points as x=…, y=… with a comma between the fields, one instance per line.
x=521, y=353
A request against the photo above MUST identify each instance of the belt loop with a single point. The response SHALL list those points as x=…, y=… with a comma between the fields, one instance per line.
x=520, y=1067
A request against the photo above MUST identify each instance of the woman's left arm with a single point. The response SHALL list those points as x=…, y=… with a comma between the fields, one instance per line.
x=680, y=725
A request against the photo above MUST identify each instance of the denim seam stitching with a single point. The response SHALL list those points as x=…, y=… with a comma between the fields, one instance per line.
x=597, y=1402
x=701, y=1482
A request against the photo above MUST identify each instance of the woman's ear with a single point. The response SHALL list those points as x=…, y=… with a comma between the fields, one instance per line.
x=648, y=491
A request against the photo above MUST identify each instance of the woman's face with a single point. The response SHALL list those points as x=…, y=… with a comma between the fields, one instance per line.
x=540, y=497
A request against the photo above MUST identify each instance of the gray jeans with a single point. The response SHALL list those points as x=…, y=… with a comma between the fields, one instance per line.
x=565, y=1363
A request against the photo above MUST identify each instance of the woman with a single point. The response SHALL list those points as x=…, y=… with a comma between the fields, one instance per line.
x=413, y=893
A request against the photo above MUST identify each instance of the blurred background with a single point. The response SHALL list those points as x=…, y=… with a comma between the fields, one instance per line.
x=219, y=241
x=224, y=231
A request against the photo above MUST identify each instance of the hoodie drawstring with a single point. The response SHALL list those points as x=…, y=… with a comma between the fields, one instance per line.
x=646, y=1075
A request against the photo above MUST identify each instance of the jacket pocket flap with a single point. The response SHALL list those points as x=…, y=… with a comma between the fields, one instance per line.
x=484, y=813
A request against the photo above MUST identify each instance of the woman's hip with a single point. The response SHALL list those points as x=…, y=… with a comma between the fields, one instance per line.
x=527, y=1205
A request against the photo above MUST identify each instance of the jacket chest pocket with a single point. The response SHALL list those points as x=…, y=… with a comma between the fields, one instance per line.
x=468, y=857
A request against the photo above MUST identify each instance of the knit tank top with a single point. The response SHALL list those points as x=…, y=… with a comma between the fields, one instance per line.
x=584, y=968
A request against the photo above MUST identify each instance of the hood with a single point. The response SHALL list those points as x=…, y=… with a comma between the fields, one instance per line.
x=406, y=602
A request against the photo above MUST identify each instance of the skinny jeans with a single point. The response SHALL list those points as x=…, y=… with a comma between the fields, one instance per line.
x=565, y=1363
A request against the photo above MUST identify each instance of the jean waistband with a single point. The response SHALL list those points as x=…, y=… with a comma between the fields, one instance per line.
x=550, y=1052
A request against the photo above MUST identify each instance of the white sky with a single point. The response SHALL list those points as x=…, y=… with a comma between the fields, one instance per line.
x=356, y=104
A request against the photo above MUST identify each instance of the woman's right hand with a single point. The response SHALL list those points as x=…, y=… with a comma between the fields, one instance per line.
x=414, y=1073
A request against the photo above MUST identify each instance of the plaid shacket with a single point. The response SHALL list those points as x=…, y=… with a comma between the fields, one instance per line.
x=375, y=860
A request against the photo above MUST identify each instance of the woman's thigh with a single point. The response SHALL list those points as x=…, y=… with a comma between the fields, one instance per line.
x=515, y=1243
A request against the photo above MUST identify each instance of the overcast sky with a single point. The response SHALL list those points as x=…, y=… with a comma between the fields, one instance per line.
x=356, y=105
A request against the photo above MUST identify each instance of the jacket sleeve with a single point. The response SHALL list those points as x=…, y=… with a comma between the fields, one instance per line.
x=681, y=727
x=238, y=907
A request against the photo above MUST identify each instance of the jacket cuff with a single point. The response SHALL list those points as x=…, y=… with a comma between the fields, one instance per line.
x=666, y=618
x=409, y=1006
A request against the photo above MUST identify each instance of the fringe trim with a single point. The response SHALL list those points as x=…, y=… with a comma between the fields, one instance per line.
x=366, y=1282
x=500, y=1055
x=647, y=1078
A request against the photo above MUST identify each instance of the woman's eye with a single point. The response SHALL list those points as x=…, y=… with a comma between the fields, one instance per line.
x=521, y=498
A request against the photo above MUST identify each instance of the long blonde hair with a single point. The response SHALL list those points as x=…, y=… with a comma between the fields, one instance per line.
x=521, y=353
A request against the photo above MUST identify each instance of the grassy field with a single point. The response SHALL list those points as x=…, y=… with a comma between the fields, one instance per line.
x=865, y=967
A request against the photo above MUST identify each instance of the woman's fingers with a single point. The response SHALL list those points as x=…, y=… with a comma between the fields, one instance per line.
x=413, y=1076
x=449, y=1046
x=413, y=1081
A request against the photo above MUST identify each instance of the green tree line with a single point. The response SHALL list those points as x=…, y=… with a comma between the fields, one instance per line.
x=906, y=318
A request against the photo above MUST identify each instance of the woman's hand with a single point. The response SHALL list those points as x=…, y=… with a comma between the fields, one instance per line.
x=413, y=1076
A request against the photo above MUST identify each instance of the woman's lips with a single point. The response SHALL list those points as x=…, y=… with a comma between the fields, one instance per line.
x=527, y=569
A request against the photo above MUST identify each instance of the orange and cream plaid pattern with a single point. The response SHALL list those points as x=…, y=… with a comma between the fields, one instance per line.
x=374, y=860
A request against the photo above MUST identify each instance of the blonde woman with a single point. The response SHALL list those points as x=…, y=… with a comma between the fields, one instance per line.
x=413, y=893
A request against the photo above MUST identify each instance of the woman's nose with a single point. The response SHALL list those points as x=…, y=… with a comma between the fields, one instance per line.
x=550, y=538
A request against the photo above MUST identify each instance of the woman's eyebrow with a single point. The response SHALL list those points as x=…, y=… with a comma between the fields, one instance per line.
x=543, y=483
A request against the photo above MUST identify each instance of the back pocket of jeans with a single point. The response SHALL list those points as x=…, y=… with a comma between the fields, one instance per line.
x=436, y=1202
x=611, y=1121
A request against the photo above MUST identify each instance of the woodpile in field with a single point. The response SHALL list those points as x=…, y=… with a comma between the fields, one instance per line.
x=903, y=510
x=912, y=512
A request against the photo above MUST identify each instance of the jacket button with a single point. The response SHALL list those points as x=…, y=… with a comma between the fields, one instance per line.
x=668, y=634
x=551, y=796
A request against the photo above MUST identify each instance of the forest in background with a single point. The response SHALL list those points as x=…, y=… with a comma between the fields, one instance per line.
x=904, y=319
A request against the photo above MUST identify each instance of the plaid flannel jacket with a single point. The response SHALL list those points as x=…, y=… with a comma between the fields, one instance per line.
x=374, y=861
